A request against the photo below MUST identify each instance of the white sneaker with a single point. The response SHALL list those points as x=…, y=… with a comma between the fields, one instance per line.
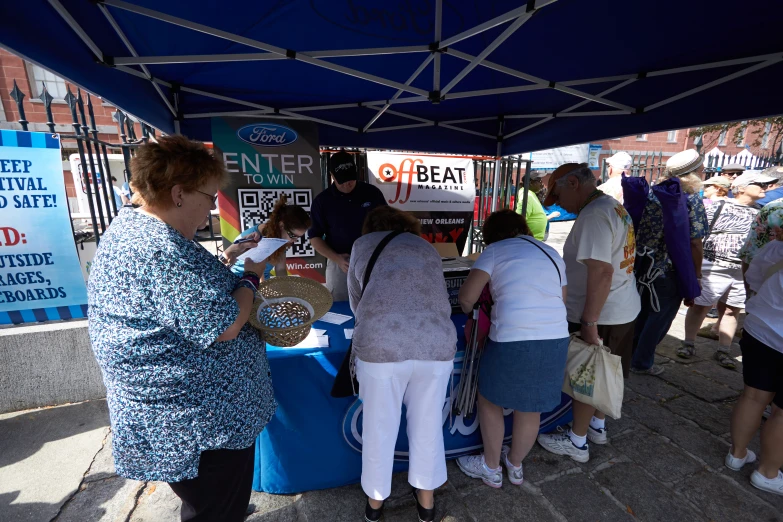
x=514, y=473
x=774, y=486
x=597, y=436
x=560, y=443
x=474, y=466
x=735, y=464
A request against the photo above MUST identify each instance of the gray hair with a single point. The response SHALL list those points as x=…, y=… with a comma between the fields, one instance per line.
x=582, y=173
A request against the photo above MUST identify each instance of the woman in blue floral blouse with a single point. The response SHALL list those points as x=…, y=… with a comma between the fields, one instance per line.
x=187, y=379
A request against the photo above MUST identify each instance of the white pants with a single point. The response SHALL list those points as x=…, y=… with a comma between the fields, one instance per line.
x=336, y=281
x=384, y=388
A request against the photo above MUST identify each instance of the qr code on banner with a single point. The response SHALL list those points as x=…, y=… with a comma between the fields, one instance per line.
x=255, y=205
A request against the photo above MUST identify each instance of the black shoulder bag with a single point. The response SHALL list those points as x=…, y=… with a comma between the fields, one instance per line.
x=345, y=383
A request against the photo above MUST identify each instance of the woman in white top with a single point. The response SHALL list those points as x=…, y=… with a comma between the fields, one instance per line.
x=524, y=360
x=762, y=368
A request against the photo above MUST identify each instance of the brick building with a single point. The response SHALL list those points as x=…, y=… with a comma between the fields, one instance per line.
x=29, y=78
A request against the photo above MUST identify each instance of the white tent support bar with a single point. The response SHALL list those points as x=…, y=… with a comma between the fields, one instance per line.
x=319, y=120
x=714, y=83
x=249, y=57
x=402, y=114
x=401, y=127
x=134, y=72
x=174, y=20
x=396, y=96
x=226, y=98
x=489, y=92
x=591, y=113
x=713, y=65
x=132, y=50
x=224, y=113
x=196, y=58
x=438, y=36
x=511, y=29
x=531, y=126
x=369, y=51
x=475, y=133
x=542, y=82
x=323, y=107
x=605, y=79
x=176, y=127
x=591, y=97
x=572, y=108
x=63, y=12
x=499, y=20
x=470, y=120
x=362, y=75
x=261, y=45
x=526, y=116
x=496, y=180
x=610, y=90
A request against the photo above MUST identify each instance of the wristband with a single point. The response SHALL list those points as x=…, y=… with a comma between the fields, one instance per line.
x=588, y=323
x=251, y=277
x=244, y=283
x=226, y=261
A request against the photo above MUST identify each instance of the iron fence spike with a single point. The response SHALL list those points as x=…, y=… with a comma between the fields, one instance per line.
x=16, y=94
x=45, y=97
x=70, y=99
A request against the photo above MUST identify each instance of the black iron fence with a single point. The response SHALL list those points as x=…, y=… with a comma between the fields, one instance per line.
x=717, y=161
x=93, y=154
x=647, y=164
x=513, y=175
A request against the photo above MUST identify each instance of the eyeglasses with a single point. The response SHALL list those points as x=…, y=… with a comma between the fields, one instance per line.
x=210, y=196
x=292, y=235
x=763, y=185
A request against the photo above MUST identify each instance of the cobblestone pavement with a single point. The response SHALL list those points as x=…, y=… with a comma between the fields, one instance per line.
x=664, y=462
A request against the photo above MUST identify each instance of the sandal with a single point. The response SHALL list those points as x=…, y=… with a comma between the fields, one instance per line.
x=686, y=350
x=725, y=360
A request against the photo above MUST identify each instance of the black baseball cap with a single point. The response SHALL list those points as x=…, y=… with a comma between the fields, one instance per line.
x=342, y=167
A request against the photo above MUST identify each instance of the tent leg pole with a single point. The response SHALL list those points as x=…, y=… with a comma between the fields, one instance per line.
x=496, y=181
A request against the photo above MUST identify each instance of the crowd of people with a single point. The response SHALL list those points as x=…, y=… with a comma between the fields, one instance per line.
x=189, y=387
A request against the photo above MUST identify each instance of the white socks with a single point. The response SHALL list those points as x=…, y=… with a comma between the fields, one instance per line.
x=597, y=424
x=578, y=441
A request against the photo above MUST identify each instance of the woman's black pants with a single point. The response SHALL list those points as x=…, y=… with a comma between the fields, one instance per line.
x=221, y=492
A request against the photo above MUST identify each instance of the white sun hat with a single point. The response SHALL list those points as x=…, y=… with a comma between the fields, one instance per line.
x=684, y=162
x=621, y=160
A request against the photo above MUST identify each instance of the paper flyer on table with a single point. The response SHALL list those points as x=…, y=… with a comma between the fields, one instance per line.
x=313, y=340
x=333, y=318
x=266, y=247
x=349, y=333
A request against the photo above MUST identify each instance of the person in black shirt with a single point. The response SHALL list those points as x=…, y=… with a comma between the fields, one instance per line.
x=338, y=215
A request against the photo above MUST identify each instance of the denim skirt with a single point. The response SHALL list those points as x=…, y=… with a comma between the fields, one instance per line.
x=525, y=376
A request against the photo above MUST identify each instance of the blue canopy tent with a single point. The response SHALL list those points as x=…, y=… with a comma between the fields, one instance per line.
x=495, y=77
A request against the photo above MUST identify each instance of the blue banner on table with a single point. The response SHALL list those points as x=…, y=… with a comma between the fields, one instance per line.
x=40, y=275
x=314, y=440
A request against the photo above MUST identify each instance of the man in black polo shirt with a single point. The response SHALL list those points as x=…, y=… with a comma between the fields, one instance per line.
x=338, y=215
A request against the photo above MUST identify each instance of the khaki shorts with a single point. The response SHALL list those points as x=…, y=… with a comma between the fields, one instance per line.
x=719, y=283
x=618, y=337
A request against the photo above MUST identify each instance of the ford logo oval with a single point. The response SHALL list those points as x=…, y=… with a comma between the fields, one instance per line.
x=267, y=134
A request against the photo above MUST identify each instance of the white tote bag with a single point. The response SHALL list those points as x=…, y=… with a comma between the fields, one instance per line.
x=594, y=376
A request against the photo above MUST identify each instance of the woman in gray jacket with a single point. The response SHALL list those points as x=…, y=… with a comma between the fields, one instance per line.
x=404, y=343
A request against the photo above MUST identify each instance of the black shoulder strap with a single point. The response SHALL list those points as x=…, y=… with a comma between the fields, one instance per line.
x=374, y=257
x=718, y=210
x=547, y=255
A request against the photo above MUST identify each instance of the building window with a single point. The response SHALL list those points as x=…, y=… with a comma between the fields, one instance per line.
x=722, y=137
x=54, y=84
x=765, y=137
x=741, y=134
x=641, y=137
x=671, y=136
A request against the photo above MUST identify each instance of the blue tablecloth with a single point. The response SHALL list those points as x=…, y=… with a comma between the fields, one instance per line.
x=314, y=440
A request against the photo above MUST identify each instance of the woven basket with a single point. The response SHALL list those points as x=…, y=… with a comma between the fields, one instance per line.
x=292, y=305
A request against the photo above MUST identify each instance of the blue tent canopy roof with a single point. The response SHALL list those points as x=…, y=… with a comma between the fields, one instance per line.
x=462, y=77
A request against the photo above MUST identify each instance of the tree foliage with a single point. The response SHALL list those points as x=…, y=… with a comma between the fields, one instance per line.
x=737, y=131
